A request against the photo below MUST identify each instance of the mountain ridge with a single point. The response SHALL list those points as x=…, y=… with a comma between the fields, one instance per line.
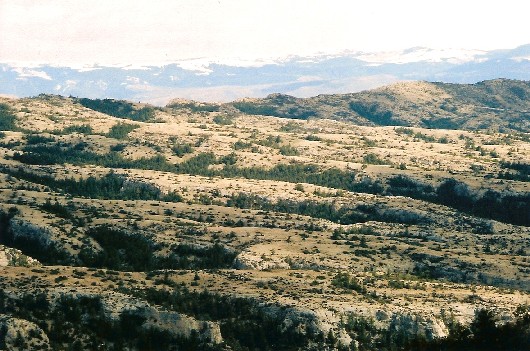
x=498, y=104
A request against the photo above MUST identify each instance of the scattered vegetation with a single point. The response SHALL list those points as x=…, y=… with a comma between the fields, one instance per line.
x=137, y=249
x=110, y=186
x=508, y=207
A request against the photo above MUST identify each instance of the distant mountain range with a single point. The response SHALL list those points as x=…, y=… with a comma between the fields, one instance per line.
x=297, y=76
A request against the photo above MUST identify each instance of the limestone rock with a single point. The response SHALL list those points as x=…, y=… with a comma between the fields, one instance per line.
x=15, y=258
x=22, y=228
x=252, y=260
x=412, y=326
x=21, y=335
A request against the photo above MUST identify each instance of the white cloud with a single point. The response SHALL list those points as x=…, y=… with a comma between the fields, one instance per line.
x=100, y=84
x=29, y=73
x=421, y=54
x=133, y=80
x=141, y=32
x=70, y=84
x=305, y=79
x=521, y=58
x=198, y=65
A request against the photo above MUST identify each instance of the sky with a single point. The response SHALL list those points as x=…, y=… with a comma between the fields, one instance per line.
x=158, y=32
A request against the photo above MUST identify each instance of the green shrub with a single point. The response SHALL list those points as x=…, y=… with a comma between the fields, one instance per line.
x=373, y=159
x=82, y=129
x=182, y=149
x=57, y=209
x=312, y=137
x=373, y=112
x=7, y=118
x=288, y=150
x=240, y=144
x=255, y=109
x=32, y=139
x=345, y=281
x=195, y=107
x=121, y=130
x=223, y=120
x=118, y=147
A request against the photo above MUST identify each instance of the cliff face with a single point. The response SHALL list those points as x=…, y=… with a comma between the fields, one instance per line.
x=118, y=306
x=37, y=241
x=64, y=312
x=127, y=318
x=417, y=327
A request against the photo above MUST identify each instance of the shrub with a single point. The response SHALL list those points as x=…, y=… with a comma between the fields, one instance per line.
x=82, y=129
x=32, y=139
x=240, y=144
x=345, y=281
x=312, y=137
x=182, y=149
x=57, y=209
x=121, y=130
x=288, y=150
x=223, y=120
x=118, y=147
x=7, y=118
x=373, y=159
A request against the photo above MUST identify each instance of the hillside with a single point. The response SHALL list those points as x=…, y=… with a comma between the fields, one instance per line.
x=125, y=226
x=498, y=105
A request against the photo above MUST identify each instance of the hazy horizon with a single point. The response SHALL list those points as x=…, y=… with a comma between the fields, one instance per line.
x=219, y=50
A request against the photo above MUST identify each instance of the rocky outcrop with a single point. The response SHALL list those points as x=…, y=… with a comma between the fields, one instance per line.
x=21, y=335
x=314, y=326
x=265, y=262
x=407, y=326
x=40, y=242
x=23, y=229
x=115, y=306
x=253, y=260
x=15, y=258
x=184, y=326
